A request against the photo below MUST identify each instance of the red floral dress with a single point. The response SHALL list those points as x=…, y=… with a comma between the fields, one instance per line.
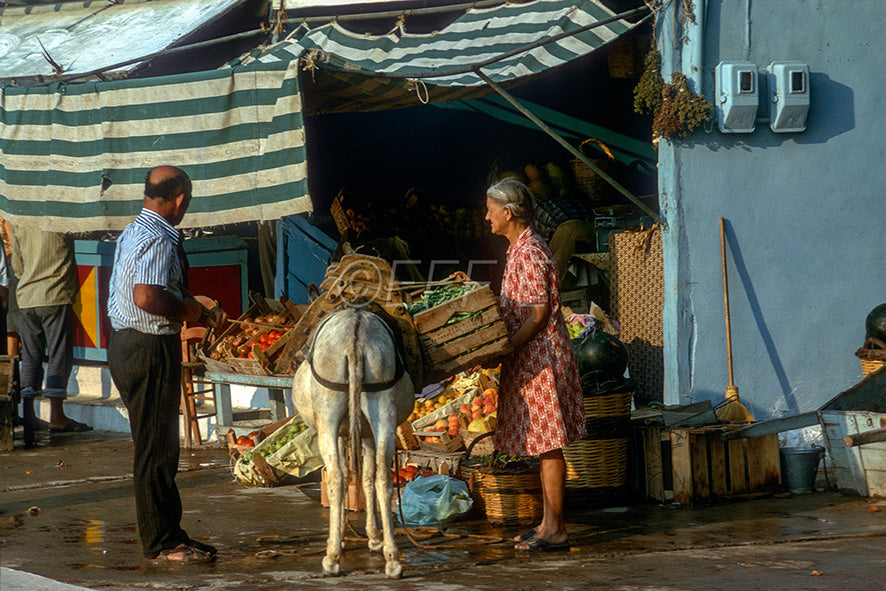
x=540, y=400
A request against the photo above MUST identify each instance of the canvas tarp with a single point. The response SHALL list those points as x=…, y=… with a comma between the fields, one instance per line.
x=74, y=155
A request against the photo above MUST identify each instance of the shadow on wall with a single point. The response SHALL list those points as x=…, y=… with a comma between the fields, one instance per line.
x=831, y=111
x=745, y=281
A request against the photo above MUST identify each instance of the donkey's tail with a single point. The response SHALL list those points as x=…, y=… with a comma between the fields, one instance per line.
x=355, y=387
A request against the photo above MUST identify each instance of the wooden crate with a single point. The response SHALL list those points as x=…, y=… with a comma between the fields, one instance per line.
x=450, y=347
x=262, y=363
x=858, y=470
x=694, y=465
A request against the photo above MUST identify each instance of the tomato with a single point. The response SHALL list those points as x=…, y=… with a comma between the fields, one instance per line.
x=244, y=440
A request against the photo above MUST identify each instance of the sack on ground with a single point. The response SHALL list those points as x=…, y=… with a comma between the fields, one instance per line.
x=436, y=499
x=292, y=449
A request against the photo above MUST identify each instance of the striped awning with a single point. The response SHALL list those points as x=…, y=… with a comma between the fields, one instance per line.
x=347, y=71
x=74, y=156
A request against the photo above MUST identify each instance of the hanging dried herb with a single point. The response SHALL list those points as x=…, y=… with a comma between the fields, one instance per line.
x=676, y=110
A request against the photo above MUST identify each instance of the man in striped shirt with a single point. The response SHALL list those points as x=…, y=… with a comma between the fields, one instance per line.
x=147, y=305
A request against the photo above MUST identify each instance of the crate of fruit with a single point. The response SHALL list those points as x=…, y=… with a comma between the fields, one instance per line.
x=252, y=343
x=461, y=331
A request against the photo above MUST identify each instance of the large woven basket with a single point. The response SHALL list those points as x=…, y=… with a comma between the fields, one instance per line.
x=597, y=464
x=505, y=498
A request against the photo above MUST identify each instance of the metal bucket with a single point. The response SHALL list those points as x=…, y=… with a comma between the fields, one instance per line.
x=799, y=466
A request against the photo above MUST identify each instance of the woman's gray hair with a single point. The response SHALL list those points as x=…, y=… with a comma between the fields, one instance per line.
x=516, y=196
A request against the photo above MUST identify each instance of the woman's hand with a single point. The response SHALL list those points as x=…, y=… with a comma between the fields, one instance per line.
x=459, y=276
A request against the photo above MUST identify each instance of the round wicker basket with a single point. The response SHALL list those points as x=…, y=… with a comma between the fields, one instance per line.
x=506, y=497
x=869, y=366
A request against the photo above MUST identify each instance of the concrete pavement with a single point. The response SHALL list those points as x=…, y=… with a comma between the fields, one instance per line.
x=67, y=514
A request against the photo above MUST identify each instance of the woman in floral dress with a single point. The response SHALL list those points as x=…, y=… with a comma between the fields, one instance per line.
x=540, y=400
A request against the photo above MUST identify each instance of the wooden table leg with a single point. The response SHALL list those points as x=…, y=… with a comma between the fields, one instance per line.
x=277, y=403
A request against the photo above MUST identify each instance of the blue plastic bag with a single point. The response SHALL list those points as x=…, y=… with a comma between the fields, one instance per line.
x=436, y=499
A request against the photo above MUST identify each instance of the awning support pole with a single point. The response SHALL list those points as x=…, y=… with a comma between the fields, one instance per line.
x=572, y=149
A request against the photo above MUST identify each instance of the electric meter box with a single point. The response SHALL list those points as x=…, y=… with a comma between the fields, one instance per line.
x=789, y=85
x=737, y=96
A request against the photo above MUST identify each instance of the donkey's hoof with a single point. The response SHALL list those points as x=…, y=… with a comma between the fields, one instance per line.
x=331, y=569
x=376, y=545
x=394, y=570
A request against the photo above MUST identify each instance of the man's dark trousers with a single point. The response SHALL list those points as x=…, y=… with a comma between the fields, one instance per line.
x=146, y=369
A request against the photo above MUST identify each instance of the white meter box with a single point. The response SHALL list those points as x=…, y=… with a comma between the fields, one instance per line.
x=737, y=96
x=789, y=87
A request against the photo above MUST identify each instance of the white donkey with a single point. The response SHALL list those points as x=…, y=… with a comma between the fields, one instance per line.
x=354, y=370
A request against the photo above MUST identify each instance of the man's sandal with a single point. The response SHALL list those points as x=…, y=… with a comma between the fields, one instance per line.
x=184, y=553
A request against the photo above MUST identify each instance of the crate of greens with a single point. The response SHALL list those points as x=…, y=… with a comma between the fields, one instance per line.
x=459, y=326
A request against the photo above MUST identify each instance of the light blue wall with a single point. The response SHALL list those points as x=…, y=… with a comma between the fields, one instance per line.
x=806, y=212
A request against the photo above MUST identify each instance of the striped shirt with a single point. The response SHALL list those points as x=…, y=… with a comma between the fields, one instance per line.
x=147, y=254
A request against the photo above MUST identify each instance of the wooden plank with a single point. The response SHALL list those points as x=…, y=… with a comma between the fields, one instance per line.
x=865, y=437
x=717, y=460
x=438, y=354
x=681, y=458
x=654, y=475
x=453, y=331
x=438, y=316
x=701, y=485
x=737, y=462
x=653, y=464
x=763, y=467
x=873, y=462
x=493, y=349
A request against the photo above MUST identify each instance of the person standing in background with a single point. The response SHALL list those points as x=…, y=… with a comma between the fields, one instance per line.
x=47, y=283
x=540, y=407
x=147, y=305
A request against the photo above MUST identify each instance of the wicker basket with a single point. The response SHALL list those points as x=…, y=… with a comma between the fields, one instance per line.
x=622, y=58
x=505, y=498
x=597, y=463
x=588, y=181
x=869, y=366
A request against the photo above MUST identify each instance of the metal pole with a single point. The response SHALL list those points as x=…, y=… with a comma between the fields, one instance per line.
x=572, y=149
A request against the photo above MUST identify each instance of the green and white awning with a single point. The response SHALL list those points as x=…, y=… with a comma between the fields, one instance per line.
x=73, y=156
x=346, y=71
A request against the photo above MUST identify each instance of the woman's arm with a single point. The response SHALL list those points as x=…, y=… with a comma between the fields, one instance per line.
x=538, y=315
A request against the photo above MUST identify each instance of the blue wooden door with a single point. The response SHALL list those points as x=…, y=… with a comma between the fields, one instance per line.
x=303, y=254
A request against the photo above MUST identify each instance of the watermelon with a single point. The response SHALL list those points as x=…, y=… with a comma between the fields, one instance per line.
x=875, y=323
x=602, y=352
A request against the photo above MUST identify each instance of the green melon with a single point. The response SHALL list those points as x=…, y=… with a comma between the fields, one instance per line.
x=875, y=323
x=601, y=351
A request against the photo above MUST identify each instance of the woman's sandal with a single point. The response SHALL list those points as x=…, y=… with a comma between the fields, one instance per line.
x=184, y=553
x=527, y=535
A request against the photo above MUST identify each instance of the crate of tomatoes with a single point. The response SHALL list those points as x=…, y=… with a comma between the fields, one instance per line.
x=252, y=343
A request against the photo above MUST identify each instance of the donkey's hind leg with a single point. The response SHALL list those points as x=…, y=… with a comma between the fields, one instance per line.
x=372, y=508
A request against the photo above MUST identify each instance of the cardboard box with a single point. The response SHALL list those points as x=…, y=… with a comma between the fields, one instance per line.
x=355, y=501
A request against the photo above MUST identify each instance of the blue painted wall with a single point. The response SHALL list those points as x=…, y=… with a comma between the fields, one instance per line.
x=806, y=212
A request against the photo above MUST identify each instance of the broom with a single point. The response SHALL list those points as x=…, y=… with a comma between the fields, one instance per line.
x=730, y=410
